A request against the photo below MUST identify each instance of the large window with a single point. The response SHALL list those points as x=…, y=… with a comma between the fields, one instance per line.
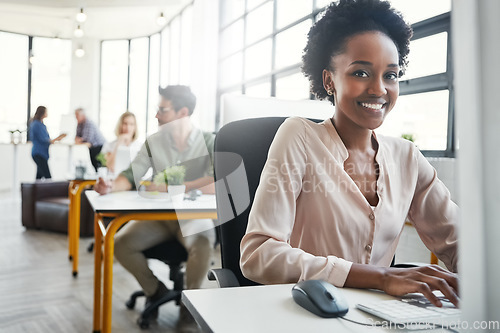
x=138, y=85
x=132, y=70
x=51, y=80
x=13, y=84
x=424, y=110
x=154, y=82
x=114, y=84
x=33, y=71
x=261, y=43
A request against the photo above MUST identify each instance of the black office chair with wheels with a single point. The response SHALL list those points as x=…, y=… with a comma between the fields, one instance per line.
x=242, y=146
x=173, y=254
x=241, y=149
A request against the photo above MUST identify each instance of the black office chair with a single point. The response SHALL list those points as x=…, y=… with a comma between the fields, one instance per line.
x=173, y=254
x=240, y=145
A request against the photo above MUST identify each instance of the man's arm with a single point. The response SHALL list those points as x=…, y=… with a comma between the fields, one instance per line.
x=121, y=183
x=205, y=184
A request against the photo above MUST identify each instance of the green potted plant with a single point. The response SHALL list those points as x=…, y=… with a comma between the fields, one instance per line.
x=408, y=136
x=101, y=157
x=173, y=177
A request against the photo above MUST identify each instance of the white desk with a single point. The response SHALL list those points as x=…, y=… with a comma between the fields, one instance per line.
x=272, y=309
x=123, y=207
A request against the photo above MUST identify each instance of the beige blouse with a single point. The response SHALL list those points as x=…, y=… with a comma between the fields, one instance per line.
x=309, y=219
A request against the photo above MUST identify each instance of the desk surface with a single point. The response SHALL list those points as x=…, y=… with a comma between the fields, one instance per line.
x=131, y=201
x=126, y=206
x=271, y=308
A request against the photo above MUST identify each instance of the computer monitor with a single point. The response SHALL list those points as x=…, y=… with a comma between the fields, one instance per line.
x=237, y=107
x=68, y=125
x=476, y=49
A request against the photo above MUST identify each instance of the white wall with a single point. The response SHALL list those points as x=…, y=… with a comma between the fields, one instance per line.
x=62, y=160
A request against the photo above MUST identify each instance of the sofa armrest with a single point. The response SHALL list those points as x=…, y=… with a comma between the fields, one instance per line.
x=28, y=205
x=36, y=191
x=50, y=189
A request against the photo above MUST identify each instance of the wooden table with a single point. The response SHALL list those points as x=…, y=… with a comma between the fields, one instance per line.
x=123, y=207
x=76, y=187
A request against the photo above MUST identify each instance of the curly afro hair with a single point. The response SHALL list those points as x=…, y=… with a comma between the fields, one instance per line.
x=342, y=20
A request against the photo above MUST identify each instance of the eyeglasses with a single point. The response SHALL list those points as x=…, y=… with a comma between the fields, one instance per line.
x=164, y=109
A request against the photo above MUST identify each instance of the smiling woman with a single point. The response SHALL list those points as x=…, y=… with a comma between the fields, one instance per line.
x=346, y=230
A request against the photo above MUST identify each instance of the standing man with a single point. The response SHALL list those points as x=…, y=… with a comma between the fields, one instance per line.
x=177, y=142
x=88, y=133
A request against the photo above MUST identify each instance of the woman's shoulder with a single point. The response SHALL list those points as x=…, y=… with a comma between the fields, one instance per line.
x=35, y=123
x=397, y=146
x=301, y=124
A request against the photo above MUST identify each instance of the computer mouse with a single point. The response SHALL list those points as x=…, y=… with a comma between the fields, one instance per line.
x=320, y=298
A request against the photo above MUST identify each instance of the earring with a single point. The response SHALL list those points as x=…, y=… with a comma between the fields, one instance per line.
x=329, y=92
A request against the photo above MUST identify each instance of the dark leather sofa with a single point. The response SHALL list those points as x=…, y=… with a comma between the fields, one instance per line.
x=45, y=206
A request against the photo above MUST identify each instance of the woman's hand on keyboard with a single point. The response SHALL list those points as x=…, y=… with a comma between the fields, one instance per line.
x=425, y=279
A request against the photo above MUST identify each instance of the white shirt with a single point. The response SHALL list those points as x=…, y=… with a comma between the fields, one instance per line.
x=124, y=154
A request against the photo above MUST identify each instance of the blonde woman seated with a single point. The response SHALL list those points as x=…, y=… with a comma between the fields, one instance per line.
x=120, y=152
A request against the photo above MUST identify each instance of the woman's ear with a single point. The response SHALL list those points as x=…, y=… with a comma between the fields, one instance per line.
x=328, y=82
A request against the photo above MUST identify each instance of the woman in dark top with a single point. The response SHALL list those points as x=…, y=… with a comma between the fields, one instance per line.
x=41, y=141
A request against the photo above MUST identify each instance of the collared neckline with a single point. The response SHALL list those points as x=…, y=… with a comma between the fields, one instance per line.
x=340, y=154
x=190, y=140
x=343, y=153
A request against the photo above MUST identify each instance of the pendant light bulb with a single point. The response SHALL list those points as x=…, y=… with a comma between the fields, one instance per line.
x=78, y=32
x=81, y=16
x=79, y=52
x=161, y=20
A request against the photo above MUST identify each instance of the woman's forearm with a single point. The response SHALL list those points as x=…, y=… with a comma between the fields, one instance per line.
x=365, y=277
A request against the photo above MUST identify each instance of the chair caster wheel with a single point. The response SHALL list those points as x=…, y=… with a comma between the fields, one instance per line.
x=143, y=323
x=70, y=258
x=130, y=304
x=90, y=248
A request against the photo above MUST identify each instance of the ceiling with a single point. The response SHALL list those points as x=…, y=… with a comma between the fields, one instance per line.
x=106, y=19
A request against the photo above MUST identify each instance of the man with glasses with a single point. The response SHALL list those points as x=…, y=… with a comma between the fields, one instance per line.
x=177, y=142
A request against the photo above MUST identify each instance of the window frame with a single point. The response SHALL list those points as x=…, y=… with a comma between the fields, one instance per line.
x=425, y=28
x=436, y=82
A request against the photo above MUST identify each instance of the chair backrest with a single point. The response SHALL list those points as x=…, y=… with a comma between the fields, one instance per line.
x=247, y=142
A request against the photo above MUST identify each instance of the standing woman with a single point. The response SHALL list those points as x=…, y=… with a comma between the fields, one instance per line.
x=41, y=141
x=125, y=146
x=334, y=196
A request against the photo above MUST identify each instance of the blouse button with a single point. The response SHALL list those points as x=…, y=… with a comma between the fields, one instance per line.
x=371, y=216
x=368, y=247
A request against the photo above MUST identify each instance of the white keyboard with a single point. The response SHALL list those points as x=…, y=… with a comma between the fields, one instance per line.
x=412, y=310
